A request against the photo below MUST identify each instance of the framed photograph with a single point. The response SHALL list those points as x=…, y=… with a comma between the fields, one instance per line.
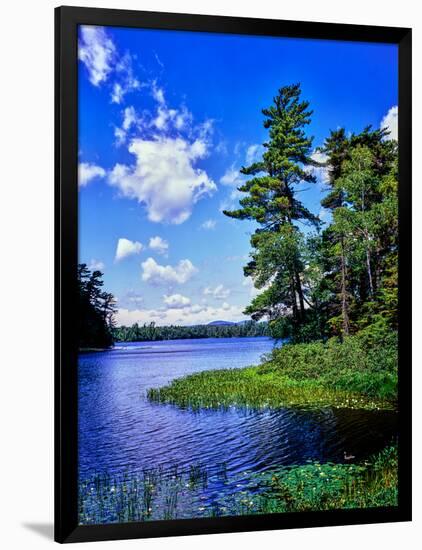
x=232, y=274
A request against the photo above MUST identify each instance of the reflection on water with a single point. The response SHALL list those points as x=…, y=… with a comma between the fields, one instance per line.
x=120, y=430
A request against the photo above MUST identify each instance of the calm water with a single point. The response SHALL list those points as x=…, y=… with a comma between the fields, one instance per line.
x=120, y=430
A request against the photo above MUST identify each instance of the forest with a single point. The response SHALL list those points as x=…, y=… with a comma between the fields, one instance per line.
x=152, y=332
x=321, y=279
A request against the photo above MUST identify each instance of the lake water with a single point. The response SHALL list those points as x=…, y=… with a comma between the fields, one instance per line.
x=120, y=430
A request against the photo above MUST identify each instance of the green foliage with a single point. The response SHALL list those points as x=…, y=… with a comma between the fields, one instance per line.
x=327, y=486
x=158, y=493
x=96, y=310
x=360, y=245
x=277, y=257
x=365, y=363
x=150, y=332
x=332, y=282
x=360, y=372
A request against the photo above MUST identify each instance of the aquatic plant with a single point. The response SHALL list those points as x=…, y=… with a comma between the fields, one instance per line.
x=330, y=486
x=157, y=493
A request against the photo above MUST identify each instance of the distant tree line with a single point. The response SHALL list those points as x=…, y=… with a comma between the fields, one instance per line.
x=96, y=310
x=151, y=332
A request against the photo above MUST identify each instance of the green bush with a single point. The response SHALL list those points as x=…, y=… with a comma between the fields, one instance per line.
x=365, y=363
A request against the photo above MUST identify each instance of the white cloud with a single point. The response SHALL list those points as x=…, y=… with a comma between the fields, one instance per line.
x=183, y=119
x=391, y=122
x=221, y=148
x=248, y=283
x=321, y=173
x=133, y=297
x=158, y=93
x=88, y=172
x=126, y=248
x=96, y=265
x=178, y=118
x=120, y=136
x=219, y=292
x=232, y=177
x=164, y=116
x=127, y=81
x=97, y=52
x=100, y=56
x=238, y=146
x=117, y=94
x=157, y=274
x=318, y=156
x=324, y=214
x=231, y=202
x=186, y=316
x=253, y=153
x=158, y=245
x=129, y=119
x=209, y=224
x=164, y=178
x=176, y=301
x=166, y=120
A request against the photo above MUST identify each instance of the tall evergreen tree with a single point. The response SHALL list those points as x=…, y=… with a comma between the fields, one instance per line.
x=270, y=199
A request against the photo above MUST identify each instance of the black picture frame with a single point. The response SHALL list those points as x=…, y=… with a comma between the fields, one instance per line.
x=67, y=20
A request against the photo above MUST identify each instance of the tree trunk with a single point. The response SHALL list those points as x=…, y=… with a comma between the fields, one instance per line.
x=300, y=294
x=368, y=267
x=343, y=292
x=294, y=303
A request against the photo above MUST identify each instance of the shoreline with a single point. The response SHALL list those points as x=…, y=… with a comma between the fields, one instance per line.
x=314, y=375
x=213, y=337
x=123, y=342
x=93, y=350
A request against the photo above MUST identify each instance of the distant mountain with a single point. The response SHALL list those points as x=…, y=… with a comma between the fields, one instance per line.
x=220, y=323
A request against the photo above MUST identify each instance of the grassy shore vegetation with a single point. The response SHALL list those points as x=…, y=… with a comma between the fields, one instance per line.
x=359, y=372
x=171, y=494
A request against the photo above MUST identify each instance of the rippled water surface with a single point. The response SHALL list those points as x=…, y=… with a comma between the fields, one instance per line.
x=120, y=430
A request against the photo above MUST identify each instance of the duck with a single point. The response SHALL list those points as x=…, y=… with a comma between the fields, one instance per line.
x=347, y=456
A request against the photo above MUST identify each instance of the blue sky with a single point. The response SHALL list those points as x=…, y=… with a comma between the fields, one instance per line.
x=166, y=119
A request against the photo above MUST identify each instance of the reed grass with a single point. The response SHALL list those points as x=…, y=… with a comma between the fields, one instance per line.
x=252, y=388
x=164, y=494
x=351, y=374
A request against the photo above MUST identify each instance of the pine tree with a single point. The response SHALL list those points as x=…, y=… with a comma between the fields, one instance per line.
x=271, y=200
